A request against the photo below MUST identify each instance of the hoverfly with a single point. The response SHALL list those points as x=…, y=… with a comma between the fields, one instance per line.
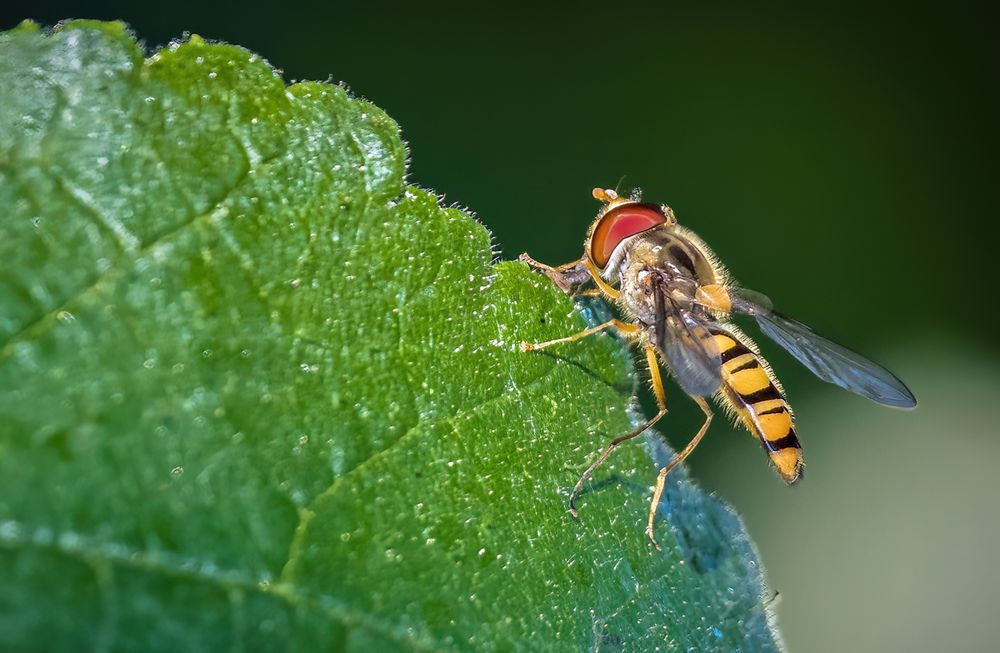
x=678, y=299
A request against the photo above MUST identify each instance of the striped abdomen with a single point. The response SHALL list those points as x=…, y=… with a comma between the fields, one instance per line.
x=749, y=388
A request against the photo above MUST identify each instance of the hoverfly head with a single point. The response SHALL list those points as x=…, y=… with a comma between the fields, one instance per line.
x=619, y=219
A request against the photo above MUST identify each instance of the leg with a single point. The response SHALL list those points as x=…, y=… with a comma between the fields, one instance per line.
x=623, y=327
x=678, y=459
x=569, y=273
x=654, y=371
x=567, y=276
x=548, y=268
x=601, y=283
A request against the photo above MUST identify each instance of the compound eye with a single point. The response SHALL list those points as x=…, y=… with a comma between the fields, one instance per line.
x=620, y=223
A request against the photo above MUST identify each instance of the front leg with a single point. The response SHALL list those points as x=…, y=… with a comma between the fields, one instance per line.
x=567, y=276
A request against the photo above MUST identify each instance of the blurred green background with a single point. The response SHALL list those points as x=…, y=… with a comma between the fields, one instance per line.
x=840, y=158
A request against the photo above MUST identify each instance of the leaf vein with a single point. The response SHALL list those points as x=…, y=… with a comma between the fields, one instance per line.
x=306, y=514
x=16, y=535
x=42, y=323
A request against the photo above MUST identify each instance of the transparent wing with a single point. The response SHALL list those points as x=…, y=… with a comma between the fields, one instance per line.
x=689, y=348
x=824, y=358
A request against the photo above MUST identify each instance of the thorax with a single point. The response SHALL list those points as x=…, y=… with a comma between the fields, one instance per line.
x=664, y=257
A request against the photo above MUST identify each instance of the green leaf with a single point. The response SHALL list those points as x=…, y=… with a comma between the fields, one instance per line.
x=257, y=394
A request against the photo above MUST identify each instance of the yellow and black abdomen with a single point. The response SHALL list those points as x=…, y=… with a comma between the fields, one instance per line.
x=752, y=392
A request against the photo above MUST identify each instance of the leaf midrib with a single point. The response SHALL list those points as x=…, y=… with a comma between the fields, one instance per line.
x=18, y=535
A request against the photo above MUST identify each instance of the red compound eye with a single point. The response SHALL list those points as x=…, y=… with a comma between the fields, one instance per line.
x=618, y=224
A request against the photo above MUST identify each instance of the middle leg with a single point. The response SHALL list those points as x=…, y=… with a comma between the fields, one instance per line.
x=624, y=328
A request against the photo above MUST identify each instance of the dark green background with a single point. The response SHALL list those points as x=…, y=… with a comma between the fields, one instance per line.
x=841, y=159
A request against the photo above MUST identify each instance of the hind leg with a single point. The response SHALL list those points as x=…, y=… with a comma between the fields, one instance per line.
x=677, y=460
x=661, y=401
